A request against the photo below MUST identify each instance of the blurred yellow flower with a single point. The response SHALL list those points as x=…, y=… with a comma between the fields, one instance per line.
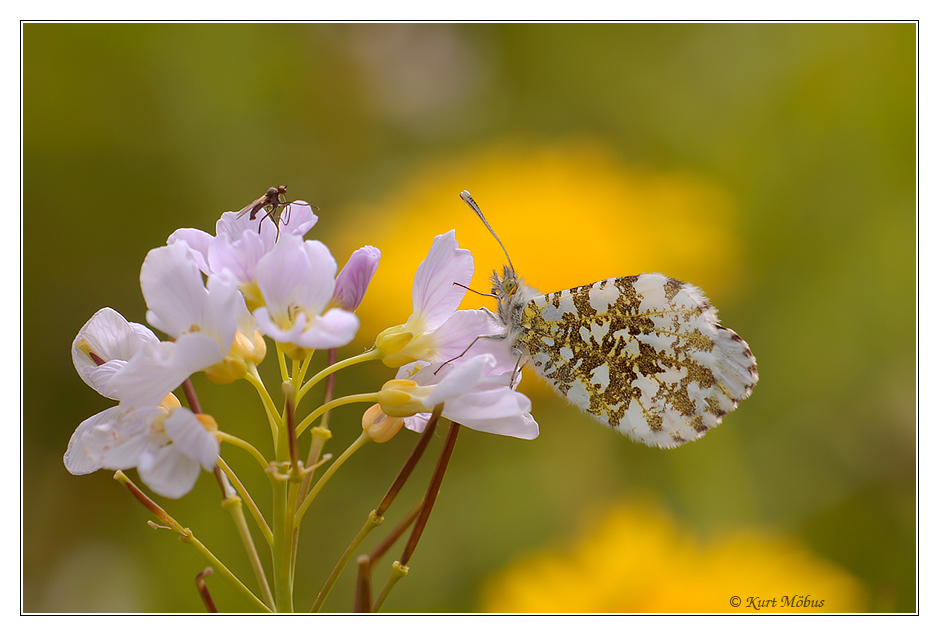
x=569, y=214
x=637, y=560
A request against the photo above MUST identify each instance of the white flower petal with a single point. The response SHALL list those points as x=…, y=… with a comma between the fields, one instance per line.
x=191, y=438
x=239, y=256
x=417, y=423
x=268, y=327
x=475, y=394
x=318, y=289
x=467, y=333
x=500, y=410
x=463, y=377
x=230, y=226
x=198, y=243
x=77, y=460
x=299, y=219
x=113, y=339
x=172, y=286
x=167, y=471
x=117, y=443
x=159, y=368
x=221, y=311
x=335, y=328
x=434, y=295
x=282, y=273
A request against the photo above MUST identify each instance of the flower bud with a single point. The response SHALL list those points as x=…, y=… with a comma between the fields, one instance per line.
x=208, y=423
x=235, y=365
x=259, y=347
x=379, y=426
x=354, y=278
x=390, y=342
x=169, y=403
x=403, y=398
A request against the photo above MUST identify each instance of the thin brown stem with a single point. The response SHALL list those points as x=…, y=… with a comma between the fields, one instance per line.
x=363, y=588
x=204, y=591
x=395, y=534
x=410, y=463
x=431, y=495
x=191, y=396
x=148, y=503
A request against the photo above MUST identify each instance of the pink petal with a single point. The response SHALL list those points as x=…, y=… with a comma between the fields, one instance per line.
x=435, y=296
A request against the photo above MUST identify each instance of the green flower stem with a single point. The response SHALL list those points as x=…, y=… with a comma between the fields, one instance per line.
x=371, y=523
x=255, y=379
x=292, y=489
x=282, y=361
x=281, y=547
x=373, y=354
x=186, y=536
x=320, y=436
x=397, y=571
x=298, y=377
x=283, y=520
x=320, y=433
x=346, y=454
x=290, y=427
x=234, y=508
x=240, y=443
x=189, y=538
x=349, y=399
x=295, y=369
x=252, y=507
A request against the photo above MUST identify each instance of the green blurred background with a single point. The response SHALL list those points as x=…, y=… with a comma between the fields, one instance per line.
x=801, y=138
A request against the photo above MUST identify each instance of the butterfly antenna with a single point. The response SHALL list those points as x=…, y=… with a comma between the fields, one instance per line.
x=468, y=199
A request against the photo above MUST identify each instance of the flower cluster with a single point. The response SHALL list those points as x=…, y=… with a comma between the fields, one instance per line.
x=218, y=297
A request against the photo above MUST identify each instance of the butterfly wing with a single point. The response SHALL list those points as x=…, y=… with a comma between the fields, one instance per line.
x=644, y=354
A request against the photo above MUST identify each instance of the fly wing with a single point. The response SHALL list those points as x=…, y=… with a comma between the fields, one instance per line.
x=252, y=207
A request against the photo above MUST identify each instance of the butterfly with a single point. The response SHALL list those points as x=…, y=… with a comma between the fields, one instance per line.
x=645, y=355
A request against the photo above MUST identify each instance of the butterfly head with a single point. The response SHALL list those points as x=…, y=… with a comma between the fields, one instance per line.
x=506, y=285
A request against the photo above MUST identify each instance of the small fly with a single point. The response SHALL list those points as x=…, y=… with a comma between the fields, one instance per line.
x=272, y=203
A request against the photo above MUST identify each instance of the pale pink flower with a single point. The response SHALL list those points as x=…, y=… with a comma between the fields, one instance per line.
x=296, y=280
